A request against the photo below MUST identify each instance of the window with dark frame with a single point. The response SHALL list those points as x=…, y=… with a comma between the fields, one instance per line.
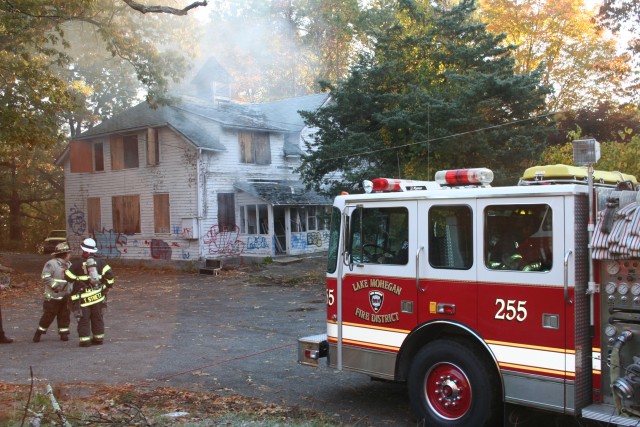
x=254, y=219
x=161, y=213
x=518, y=237
x=254, y=148
x=124, y=152
x=80, y=156
x=226, y=210
x=317, y=217
x=385, y=235
x=451, y=237
x=94, y=216
x=153, y=152
x=98, y=157
x=126, y=214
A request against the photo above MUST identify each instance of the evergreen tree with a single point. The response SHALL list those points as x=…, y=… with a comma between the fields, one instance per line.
x=437, y=91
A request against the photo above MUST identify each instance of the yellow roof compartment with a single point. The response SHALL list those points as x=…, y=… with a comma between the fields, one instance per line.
x=573, y=174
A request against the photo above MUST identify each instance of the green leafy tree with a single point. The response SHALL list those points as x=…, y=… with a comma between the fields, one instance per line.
x=31, y=194
x=604, y=122
x=437, y=91
x=50, y=83
x=615, y=155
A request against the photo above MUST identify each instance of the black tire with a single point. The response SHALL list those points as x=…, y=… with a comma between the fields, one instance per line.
x=450, y=384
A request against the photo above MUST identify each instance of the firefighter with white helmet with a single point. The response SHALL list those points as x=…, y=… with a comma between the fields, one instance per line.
x=56, y=293
x=91, y=279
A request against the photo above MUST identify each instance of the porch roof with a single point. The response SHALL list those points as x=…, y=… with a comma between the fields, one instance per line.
x=284, y=193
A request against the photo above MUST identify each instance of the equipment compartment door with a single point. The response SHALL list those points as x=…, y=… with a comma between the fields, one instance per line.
x=524, y=313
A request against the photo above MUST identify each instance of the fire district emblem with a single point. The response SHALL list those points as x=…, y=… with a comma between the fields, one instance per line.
x=375, y=299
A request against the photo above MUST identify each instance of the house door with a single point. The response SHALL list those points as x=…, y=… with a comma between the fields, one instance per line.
x=280, y=231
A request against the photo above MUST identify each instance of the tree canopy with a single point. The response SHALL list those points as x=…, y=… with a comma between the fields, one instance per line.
x=65, y=65
x=437, y=91
x=38, y=68
x=563, y=41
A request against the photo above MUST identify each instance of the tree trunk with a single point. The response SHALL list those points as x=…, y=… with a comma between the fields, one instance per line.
x=15, y=226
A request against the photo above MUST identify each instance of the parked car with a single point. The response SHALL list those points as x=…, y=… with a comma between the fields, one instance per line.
x=53, y=238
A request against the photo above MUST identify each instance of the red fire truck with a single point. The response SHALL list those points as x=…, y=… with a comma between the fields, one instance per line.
x=477, y=296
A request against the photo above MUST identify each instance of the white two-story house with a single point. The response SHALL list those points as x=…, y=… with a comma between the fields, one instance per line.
x=203, y=178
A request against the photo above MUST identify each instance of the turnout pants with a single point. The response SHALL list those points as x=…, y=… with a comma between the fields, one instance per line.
x=1, y=330
x=91, y=324
x=52, y=309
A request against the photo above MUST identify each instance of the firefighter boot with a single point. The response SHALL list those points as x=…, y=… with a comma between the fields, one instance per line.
x=37, y=335
x=64, y=336
x=5, y=339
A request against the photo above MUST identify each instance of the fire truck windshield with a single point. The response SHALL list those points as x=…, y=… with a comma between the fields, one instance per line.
x=380, y=235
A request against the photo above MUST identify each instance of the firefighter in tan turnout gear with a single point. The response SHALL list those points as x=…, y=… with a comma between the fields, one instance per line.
x=56, y=293
x=91, y=278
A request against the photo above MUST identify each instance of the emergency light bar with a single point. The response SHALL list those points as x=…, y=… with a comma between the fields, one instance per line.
x=379, y=185
x=455, y=177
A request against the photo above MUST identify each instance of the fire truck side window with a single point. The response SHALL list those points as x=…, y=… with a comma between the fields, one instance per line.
x=518, y=237
x=450, y=237
x=385, y=236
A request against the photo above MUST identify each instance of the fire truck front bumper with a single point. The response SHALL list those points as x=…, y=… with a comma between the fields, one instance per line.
x=311, y=349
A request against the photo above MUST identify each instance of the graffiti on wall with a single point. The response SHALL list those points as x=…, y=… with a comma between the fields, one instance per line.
x=256, y=243
x=223, y=240
x=110, y=243
x=76, y=222
x=317, y=238
x=303, y=241
x=298, y=241
x=160, y=249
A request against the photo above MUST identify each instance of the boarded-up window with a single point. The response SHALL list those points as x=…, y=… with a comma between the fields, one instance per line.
x=94, y=217
x=161, y=215
x=255, y=148
x=226, y=210
x=98, y=157
x=153, y=153
x=124, y=152
x=80, y=156
x=126, y=214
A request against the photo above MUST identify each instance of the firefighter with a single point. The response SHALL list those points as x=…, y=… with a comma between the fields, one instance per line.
x=3, y=338
x=91, y=279
x=56, y=293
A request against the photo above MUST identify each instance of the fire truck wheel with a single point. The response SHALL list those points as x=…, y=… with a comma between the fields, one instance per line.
x=450, y=384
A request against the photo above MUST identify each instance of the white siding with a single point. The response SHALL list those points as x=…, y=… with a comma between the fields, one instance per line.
x=176, y=174
x=193, y=180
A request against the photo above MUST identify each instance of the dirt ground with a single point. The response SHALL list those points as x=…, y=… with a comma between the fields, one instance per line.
x=233, y=335
x=199, y=342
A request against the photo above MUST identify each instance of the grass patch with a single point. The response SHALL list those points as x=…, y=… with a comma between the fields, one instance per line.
x=131, y=406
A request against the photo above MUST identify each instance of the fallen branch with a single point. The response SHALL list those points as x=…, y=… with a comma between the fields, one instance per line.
x=26, y=407
x=56, y=407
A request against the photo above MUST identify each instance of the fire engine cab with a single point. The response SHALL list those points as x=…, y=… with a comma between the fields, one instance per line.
x=477, y=296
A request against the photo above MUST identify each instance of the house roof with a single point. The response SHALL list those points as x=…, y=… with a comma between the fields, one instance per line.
x=281, y=112
x=189, y=115
x=283, y=193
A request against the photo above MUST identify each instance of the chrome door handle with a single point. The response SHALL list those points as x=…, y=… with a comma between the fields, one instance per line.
x=418, y=268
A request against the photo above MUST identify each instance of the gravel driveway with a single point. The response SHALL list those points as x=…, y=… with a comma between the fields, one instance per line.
x=231, y=334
